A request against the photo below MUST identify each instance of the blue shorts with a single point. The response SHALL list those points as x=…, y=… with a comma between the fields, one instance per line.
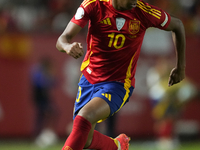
x=113, y=92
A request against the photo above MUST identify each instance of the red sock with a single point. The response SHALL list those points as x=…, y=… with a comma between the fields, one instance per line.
x=79, y=134
x=102, y=142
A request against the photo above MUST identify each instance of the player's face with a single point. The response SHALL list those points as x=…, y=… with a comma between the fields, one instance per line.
x=128, y=4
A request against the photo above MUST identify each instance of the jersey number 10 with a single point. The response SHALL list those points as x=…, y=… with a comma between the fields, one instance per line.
x=115, y=39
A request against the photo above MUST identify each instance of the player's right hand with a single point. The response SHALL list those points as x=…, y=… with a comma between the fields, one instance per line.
x=75, y=50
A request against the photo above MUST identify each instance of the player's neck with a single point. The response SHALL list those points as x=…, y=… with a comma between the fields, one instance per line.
x=122, y=5
x=115, y=4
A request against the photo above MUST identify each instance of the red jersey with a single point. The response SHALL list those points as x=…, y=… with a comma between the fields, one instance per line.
x=115, y=37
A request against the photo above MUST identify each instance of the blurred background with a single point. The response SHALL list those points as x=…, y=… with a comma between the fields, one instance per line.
x=38, y=84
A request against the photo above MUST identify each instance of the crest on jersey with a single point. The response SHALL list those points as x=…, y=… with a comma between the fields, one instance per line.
x=120, y=23
x=134, y=26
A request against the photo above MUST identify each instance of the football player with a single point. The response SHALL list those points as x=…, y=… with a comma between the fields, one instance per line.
x=115, y=33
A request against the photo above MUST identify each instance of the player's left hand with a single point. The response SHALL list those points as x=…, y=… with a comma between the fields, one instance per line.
x=176, y=76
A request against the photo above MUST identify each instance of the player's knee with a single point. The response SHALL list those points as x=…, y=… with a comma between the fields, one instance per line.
x=88, y=116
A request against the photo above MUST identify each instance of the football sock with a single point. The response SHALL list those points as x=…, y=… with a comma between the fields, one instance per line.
x=79, y=134
x=103, y=142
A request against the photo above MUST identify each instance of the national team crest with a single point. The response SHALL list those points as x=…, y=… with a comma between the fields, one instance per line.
x=134, y=26
x=120, y=23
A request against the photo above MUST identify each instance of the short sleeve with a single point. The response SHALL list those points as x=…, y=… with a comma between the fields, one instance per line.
x=161, y=22
x=154, y=16
x=84, y=13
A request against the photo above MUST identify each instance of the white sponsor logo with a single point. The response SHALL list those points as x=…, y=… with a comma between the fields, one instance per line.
x=79, y=13
x=89, y=71
x=120, y=23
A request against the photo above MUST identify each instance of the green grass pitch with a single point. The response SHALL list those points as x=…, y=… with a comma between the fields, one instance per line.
x=27, y=145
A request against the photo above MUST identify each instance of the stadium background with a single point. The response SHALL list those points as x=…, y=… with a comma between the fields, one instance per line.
x=29, y=30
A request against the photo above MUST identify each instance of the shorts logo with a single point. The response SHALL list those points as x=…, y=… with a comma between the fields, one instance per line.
x=68, y=148
x=108, y=96
x=134, y=26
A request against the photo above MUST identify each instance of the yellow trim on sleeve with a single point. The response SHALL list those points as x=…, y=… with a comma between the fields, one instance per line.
x=146, y=8
x=105, y=0
x=87, y=2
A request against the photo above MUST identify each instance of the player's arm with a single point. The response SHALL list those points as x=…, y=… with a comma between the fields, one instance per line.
x=178, y=73
x=64, y=44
